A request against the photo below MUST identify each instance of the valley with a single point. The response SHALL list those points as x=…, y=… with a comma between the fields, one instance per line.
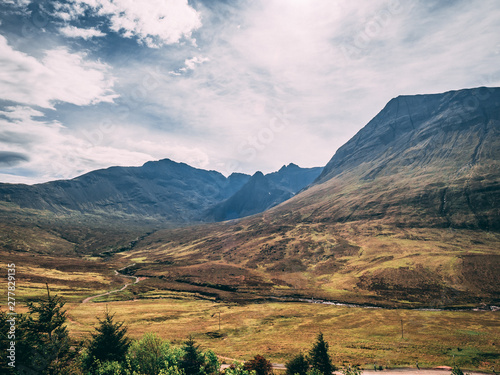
x=402, y=224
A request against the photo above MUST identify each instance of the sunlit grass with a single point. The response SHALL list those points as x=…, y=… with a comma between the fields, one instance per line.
x=280, y=330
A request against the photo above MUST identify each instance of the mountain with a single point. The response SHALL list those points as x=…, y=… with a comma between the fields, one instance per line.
x=406, y=213
x=424, y=160
x=165, y=190
x=262, y=192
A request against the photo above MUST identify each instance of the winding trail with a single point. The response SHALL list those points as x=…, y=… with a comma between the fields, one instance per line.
x=117, y=273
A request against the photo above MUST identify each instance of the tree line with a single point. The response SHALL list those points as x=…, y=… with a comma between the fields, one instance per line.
x=43, y=346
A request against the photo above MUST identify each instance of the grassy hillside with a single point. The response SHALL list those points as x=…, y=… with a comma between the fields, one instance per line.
x=357, y=262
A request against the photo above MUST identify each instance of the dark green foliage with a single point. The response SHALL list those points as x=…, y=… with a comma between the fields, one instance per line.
x=42, y=341
x=108, y=343
x=319, y=359
x=260, y=365
x=457, y=371
x=352, y=370
x=297, y=365
x=192, y=361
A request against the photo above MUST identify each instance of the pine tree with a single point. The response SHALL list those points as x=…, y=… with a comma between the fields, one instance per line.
x=319, y=358
x=44, y=338
x=108, y=343
x=192, y=360
x=297, y=365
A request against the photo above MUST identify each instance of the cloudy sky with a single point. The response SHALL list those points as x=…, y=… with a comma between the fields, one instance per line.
x=219, y=84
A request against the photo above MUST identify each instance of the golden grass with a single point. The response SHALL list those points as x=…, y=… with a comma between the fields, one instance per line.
x=280, y=330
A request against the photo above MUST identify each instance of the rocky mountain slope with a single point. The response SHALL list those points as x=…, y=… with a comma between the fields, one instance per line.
x=405, y=214
x=424, y=160
x=262, y=192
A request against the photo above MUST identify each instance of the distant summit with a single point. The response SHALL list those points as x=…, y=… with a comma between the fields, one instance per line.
x=262, y=192
x=163, y=190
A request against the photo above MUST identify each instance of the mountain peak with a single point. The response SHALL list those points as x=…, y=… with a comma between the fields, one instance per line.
x=288, y=167
x=429, y=159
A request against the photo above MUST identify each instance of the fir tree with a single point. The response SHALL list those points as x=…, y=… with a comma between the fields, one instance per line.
x=319, y=358
x=44, y=339
x=192, y=361
x=108, y=343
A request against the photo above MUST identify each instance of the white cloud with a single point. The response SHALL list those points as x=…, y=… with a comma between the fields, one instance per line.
x=271, y=82
x=154, y=22
x=191, y=63
x=76, y=32
x=56, y=152
x=290, y=56
x=60, y=76
x=19, y=3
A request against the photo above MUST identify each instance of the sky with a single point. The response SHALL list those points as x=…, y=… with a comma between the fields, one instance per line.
x=232, y=86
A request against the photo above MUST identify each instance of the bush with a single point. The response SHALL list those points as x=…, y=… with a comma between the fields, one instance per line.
x=236, y=368
x=297, y=365
x=151, y=354
x=351, y=370
x=260, y=365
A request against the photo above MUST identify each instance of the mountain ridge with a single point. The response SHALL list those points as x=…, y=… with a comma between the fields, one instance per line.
x=167, y=190
x=405, y=214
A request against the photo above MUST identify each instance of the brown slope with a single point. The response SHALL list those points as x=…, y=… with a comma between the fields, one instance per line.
x=404, y=213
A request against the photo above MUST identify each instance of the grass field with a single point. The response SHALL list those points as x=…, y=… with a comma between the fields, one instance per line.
x=280, y=330
x=195, y=273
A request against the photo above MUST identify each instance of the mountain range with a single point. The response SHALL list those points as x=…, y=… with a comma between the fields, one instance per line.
x=406, y=214
x=163, y=190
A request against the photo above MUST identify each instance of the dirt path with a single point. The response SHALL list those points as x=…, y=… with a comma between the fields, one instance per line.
x=88, y=299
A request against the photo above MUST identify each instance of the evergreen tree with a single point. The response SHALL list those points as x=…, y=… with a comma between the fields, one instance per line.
x=260, y=365
x=297, y=365
x=108, y=343
x=319, y=358
x=43, y=338
x=192, y=361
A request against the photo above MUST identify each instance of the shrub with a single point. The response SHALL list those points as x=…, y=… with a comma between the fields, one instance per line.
x=297, y=365
x=260, y=365
x=351, y=370
x=108, y=344
x=192, y=361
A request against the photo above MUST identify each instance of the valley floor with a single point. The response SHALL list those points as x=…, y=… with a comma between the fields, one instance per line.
x=279, y=330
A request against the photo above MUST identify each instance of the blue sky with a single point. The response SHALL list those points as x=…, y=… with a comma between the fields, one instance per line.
x=224, y=85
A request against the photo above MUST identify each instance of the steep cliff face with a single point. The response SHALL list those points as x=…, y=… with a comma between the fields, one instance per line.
x=423, y=160
x=421, y=130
